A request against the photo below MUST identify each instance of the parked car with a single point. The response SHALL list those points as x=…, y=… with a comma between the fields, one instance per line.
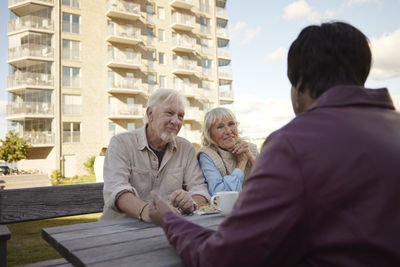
x=4, y=169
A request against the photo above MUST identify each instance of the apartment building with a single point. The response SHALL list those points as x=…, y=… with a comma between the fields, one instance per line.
x=82, y=71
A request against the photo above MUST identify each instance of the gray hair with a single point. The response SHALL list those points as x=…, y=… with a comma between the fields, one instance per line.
x=163, y=96
x=211, y=117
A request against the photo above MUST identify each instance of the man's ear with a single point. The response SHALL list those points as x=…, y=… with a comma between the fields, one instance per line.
x=149, y=113
x=299, y=88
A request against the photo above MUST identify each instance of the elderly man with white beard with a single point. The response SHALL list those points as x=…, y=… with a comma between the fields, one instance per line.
x=153, y=158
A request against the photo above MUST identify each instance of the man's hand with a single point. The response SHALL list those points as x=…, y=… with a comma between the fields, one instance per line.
x=182, y=200
x=158, y=208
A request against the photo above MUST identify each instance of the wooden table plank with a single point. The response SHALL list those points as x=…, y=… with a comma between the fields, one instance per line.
x=118, y=242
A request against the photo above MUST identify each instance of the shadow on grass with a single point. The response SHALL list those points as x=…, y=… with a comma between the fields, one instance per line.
x=26, y=244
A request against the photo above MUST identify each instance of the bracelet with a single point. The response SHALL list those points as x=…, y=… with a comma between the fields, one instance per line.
x=141, y=211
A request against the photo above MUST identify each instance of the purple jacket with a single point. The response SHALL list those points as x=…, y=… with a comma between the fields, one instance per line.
x=325, y=191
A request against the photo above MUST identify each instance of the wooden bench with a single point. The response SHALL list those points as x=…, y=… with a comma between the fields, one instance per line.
x=38, y=203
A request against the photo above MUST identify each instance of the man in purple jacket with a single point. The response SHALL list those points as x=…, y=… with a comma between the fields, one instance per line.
x=325, y=190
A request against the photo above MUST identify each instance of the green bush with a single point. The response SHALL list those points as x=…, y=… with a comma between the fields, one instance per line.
x=56, y=177
x=89, y=165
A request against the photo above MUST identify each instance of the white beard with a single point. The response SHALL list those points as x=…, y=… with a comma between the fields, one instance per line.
x=167, y=138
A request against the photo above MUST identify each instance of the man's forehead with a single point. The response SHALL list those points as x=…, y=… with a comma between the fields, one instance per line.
x=171, y=104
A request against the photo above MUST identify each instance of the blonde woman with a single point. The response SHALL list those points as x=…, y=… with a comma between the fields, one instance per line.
x=225, y=159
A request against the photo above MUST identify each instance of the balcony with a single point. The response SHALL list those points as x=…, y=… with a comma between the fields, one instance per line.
x=17, y=56
x=123, y=34
x=123, y=10
x=125, y=111
x=184, y=22
x=184, y=66
x=24, y=110
x=126, y=86
x=30, y=23
x=123, y=59
x=187, y=89
x=23, y=80
x=223, y=33
x=225, y=73
x=193, y=136
x=221, y=13
x=21, y=7
x=183, y=43
x=38, y=139
x=71, y=137
x=224, y=53
x=193, y=114
x=184, y=4
x=206, y=50
x=226, y=97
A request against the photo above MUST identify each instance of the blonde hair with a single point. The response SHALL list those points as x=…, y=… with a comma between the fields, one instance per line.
x=163, y=96
x=211, y=117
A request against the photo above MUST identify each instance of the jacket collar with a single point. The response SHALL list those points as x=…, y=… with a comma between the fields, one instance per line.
x=353, y=95
x=143, y=143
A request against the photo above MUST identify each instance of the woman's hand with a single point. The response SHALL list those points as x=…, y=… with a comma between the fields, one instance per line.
x=242, y=147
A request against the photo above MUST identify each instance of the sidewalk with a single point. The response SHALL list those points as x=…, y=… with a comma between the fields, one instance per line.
x=25, y=181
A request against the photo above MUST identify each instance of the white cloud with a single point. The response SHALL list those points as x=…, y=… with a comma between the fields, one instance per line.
x=242, y=33
x=352, y=2
x=259, y=117
x=386, y=56
x=279, y=53
x=300, y=10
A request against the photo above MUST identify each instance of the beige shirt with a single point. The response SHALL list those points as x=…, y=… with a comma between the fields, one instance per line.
x=130, y=165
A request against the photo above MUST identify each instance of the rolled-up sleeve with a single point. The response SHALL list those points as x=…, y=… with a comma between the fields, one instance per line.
x=117, y=171
x=194, y=181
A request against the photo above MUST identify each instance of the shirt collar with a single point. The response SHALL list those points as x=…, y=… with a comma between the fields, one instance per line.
x=143, y=143
x=353, y=95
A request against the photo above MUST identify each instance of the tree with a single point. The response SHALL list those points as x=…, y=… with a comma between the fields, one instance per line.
x=13, y=148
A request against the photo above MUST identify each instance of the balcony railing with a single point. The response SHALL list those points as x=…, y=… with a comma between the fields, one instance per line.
x=123, y=9
x=188, y=66
x=193, y=113
x=183, y=21
x=205, y=29
x=30, y=22
x=186, y=4
x=119, y=58
x=25, y=79
x=206, y=50
x=223, y=32
x=30, y=109
x=38, y=138
x=226, y=94
x=188, y=89
x=207, y=72
x=222, y=12
x=30, y=50
x=125, y=110
x=126, y=84
x=225, y=73
x=123, y=34
x=72, y=110
x=71, y=137
x=224, y=52
x=181, y=42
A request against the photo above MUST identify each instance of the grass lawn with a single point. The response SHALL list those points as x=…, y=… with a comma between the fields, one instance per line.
x=26, y=244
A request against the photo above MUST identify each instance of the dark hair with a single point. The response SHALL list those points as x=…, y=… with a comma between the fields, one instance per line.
x=332, y=54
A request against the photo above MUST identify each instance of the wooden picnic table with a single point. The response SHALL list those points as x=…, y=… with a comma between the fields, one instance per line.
x=120, y=242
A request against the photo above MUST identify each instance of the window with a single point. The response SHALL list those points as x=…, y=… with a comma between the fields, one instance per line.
x=71, y=50
x=161, y=35
x=205, y=25
x=71, y=77
x=71, y=132
x=72, y=104
x=161, y=58
x=131, y=126
x=206, y=63
x=71, y=3
x=151, y=79
x=162, y=81
x=160, y=13
x=70, y=23
x=112, y=129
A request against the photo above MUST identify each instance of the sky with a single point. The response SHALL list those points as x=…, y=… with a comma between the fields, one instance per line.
x=261, y=33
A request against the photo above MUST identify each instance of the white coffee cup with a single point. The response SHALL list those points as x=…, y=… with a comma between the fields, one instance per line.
x=225, y=201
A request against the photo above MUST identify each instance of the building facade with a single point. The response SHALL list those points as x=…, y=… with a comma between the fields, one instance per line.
x=82, y=71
